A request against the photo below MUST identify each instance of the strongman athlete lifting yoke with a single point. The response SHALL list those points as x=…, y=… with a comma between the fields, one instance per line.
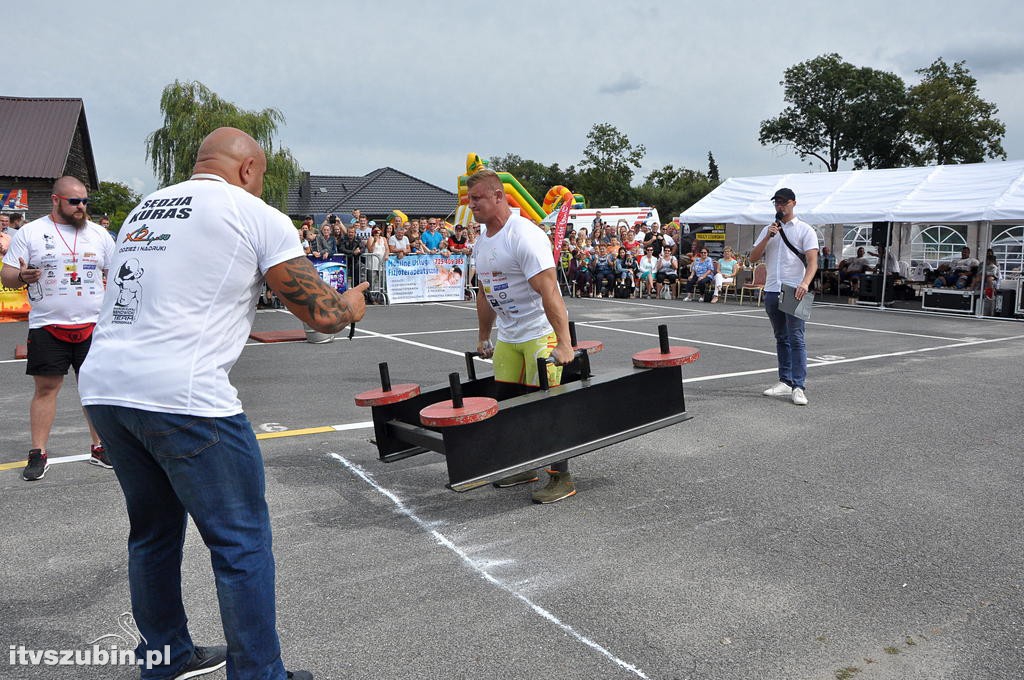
x=518, y=289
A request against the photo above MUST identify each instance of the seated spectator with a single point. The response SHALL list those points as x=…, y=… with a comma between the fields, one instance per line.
x=887, y=261
x=667, y=272
x=647, y=269
x=728, y=268
x=399, y=244
x=960, y=273
x=625, y=271
x=852, y=269
x=580, y=272
x=702, y=275
x=604, y=272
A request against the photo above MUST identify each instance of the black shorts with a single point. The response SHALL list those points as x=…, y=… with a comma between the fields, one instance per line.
x=661, y=277
x=49, y=356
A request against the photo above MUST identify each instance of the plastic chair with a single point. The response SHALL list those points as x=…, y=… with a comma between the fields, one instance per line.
x=760, y=278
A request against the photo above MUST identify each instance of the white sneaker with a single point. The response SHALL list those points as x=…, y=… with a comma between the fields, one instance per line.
x=686, y=299
x=779, y=390
x=799, y=398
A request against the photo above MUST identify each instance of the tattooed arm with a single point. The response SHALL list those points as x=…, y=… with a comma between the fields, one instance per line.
x=299, y=286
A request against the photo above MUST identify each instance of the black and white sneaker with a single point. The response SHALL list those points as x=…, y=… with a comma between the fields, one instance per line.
x=36, y=467
x=204, y=660
x=99, y=457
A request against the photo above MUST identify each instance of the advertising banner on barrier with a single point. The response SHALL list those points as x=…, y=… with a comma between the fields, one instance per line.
x=332, y=271
x=14, y=304
x=425, y=278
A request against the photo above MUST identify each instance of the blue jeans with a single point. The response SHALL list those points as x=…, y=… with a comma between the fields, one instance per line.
x=172, y=466
x=789, y=343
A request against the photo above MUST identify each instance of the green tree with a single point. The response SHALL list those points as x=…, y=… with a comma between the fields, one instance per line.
x=191, y=111
x=671, y=190
x=878, y=136
x=949, y=121
x=712, y=168
x=837, y=111
x=536, y=177
x=606, y=171
x=113, y=199
x=814, y=122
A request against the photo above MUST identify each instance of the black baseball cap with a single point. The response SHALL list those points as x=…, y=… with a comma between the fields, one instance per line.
x=784, y=193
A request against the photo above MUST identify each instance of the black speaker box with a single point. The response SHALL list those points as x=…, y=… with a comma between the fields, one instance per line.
x=878, y=233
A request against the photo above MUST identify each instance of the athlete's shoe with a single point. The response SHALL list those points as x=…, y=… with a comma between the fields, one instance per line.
x=778, y=390
x=799, y=398
x=559, y=486
x=36, y=467
x=516, y=480
x=204, y=660
x=99, y=457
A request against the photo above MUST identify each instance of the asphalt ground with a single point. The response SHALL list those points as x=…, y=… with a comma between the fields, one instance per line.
x=872, y=534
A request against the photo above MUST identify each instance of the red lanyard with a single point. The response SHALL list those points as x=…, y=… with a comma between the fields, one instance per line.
x=70, y=249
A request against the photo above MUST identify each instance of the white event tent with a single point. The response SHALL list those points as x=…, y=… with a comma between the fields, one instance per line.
x=976, y=192
x=979, y=195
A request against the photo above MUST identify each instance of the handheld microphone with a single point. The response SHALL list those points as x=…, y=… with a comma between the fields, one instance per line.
x=778, y=221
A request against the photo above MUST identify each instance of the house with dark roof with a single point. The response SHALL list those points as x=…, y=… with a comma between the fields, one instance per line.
x=376, y=194
x=40, y=141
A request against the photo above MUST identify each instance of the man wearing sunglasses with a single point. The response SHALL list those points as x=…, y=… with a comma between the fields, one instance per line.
x=779, y=243
x=62, y=259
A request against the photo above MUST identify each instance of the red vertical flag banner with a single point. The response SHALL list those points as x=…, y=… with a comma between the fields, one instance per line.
x=560, y=222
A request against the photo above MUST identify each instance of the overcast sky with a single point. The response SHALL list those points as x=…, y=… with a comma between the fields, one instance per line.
x=418, y=85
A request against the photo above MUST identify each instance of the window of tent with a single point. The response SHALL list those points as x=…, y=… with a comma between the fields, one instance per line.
x=1008, y=246
x=931, y=243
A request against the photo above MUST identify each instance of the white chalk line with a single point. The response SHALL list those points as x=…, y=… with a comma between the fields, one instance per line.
x=590, y=324
x=475, y=566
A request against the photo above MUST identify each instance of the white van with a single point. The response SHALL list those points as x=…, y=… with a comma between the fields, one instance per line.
x=584, y=218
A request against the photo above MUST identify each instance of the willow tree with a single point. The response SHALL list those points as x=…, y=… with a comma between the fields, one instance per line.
x=192, y=111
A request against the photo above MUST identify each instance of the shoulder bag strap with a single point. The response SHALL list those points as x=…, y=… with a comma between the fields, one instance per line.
x=803, y=258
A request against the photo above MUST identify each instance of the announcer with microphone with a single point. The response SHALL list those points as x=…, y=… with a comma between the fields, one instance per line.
x=790, y=250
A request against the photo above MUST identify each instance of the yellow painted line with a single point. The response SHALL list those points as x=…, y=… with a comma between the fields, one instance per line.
x=295, y=433
x=262, y=435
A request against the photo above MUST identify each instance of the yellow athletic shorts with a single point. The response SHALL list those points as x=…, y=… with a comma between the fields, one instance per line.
x=517, y=362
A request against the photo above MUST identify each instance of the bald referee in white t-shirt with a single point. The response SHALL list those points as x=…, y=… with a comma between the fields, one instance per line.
x=191, y=260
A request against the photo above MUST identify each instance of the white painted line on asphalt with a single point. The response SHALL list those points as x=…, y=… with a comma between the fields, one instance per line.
x=481, y=570
x=419, y=344
x=814, y=363
x=449, y=330
x=353, y=426
x=590, y=324
x=879, y=330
